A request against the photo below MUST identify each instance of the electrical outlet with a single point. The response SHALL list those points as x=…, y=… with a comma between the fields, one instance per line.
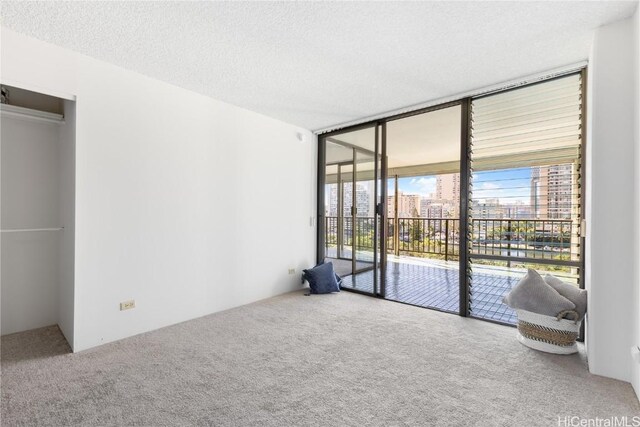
x=292, y=271
x=127, y=305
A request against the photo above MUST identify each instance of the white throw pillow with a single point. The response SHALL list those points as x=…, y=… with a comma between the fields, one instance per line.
x=571, y=292
x=533, y=294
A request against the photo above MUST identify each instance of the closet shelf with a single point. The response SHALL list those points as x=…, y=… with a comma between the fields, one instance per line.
x=28, y=230
x=28, y=113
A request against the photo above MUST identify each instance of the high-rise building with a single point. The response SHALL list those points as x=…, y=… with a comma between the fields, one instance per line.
x=448, y=187
x=535, y=189
x=436, y=210
x=364, y=199
x=488, y=208
x=409, y=205
x=425, y=202
x=553, y=191
x=517, y=210
x=448, y=194
x=331, y=205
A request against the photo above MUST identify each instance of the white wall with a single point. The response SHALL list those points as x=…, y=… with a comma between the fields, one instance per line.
x=183, y=203
x=610, y=256
x=635, y=377
x=29, y=200
x=66, y=197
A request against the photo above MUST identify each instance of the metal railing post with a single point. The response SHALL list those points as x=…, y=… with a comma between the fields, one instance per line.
x=446, y=240
x=396, y=226
x=396, y=246
x=509, y=242
x=326, y=239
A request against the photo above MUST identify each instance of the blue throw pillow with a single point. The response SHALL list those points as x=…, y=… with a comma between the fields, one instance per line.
x=338, y=278
x=322, y=279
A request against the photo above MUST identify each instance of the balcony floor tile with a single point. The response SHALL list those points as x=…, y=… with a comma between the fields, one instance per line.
x=435, y=284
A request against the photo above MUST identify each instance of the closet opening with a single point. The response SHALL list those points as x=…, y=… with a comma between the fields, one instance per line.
x=37, y=211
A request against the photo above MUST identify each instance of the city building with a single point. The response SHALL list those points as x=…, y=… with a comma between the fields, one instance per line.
x=554, y=191
x=364, y=201
x=448, y=187
x=409, y=205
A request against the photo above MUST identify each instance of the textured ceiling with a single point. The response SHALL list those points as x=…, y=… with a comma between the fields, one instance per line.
x=317, y=64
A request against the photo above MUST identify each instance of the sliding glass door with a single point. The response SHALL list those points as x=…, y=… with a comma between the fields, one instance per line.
x=423, y=208
x=349, y=227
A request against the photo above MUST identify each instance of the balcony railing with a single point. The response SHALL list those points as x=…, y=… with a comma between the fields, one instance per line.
x=549, y=240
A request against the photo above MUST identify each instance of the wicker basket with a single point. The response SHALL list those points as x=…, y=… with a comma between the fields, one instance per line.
x=549, y=334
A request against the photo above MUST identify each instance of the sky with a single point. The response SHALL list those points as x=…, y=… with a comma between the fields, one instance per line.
x=509, y=185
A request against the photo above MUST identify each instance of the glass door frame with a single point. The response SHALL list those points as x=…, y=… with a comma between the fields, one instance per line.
x=354, y=215
x=321, y=224
x=384, y=171
x=340, y=212
x=353, y=209
x=381, y=176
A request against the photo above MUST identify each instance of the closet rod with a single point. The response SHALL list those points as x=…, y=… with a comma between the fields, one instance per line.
x=23, y=230
x=29, y=113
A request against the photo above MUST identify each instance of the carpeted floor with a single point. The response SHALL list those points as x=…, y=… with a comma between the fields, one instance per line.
x=327, y=360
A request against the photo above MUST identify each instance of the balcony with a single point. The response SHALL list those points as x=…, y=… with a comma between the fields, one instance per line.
x=422, y=258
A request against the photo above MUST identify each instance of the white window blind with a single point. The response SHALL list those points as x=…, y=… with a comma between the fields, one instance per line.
x=534, y=125
x=525, y=193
